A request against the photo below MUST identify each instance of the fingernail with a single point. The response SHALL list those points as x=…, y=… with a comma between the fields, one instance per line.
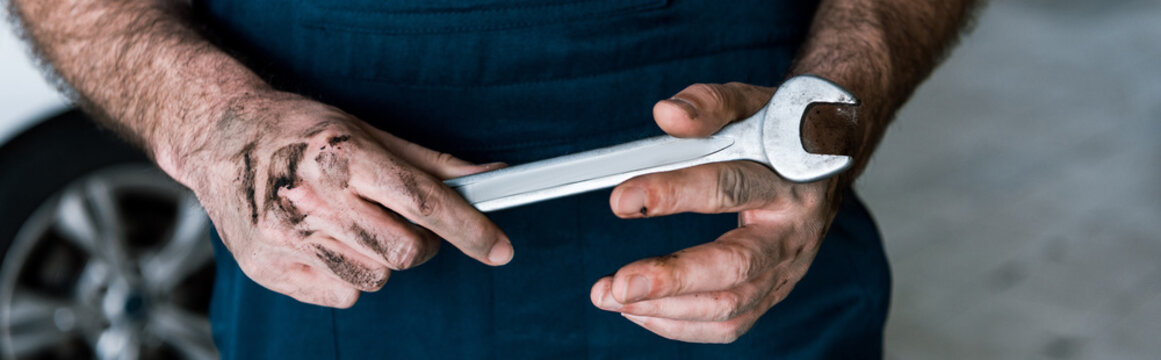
x=607, y=302
x=501, y=253
x=686, y=105
x=632, y=201
x=637, y=288
x=494, y=165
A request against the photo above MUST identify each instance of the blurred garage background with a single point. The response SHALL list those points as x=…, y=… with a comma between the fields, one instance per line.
x=1019, y=192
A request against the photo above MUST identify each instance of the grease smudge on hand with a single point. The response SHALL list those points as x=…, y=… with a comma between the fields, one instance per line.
x=283, y=173
x=358, y=275
x=248, y=181
x=370, y=241
x=334, y=163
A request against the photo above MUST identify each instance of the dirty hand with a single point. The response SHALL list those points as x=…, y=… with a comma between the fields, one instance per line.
x=318, y=205
x=715, y=292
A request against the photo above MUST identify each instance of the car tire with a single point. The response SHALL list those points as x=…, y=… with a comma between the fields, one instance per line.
x=103, y=255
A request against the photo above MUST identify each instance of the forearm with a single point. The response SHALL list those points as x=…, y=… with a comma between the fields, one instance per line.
x=880, y=51
x=141, y=68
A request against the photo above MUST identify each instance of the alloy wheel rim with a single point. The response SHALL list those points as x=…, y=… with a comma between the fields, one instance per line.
x=107, y=266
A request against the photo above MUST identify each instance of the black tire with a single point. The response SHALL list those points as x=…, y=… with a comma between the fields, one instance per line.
x=44, y=159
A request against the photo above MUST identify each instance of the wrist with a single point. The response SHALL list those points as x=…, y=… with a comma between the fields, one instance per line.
x=205, y=126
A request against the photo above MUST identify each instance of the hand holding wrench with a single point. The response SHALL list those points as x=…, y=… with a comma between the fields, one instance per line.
x=772, y=137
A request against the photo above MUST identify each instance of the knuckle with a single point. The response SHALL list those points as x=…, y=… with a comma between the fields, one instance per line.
x=426, y=201
x=400, y=248
x=664, y=268
x=741, y=98
x=354, y=272
x=422, y=195
x=366, y=278
x=708, y=92
x=721, y=312
x=664, y=195
x=378, y=278
x=444, y=158
x=728, y=306
x=744, y=262
x=404, y=254
x=733, y=189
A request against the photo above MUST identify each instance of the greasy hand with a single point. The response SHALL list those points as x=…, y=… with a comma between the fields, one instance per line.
x=318, y=205
x=715, y=292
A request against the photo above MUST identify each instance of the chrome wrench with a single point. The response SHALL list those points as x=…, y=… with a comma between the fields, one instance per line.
x=772, y=137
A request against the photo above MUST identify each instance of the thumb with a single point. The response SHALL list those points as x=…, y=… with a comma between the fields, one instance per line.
x=702, y=109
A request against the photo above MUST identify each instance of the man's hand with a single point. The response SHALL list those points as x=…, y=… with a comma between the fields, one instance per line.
x=715, y=292
x=879, y=50
x=312, y=202
x=320, y=206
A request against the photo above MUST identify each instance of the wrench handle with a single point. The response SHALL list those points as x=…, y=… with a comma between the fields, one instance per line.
x=585, y=171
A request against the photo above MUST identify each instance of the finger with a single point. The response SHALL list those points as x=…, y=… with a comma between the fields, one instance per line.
x=440, y=164
x=429, y=203
x=711, y=188
x=708, y=306
x=601, y=295
x=318, y=287
x=373, y=231
x=704, y=307
x=702, y=109
x=346, y=264
x=716, y=332
x=735, y=258
x=399, y=243
x=287, y=271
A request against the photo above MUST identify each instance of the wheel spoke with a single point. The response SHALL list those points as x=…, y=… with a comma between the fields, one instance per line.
x=118, y=343
x=94, y=216
x=108, y=216
x=187, y=249
x=188, y=333
x=75, y=222
x=36, y=322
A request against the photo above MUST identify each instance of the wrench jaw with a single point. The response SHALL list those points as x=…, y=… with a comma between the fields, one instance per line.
x=782, y=129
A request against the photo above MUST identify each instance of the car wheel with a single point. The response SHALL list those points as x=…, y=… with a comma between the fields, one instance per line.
x=103, y=255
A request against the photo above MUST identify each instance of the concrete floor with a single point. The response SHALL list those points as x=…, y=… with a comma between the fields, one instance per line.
x=1019, y=192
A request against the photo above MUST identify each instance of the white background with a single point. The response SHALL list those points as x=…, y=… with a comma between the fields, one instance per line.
x=24, y=95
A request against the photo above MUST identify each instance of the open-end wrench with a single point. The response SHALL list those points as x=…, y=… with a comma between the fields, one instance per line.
x=772, y=137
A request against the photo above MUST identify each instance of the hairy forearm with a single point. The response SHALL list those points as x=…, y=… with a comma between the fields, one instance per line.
x=140, y=67
x=880, y=50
